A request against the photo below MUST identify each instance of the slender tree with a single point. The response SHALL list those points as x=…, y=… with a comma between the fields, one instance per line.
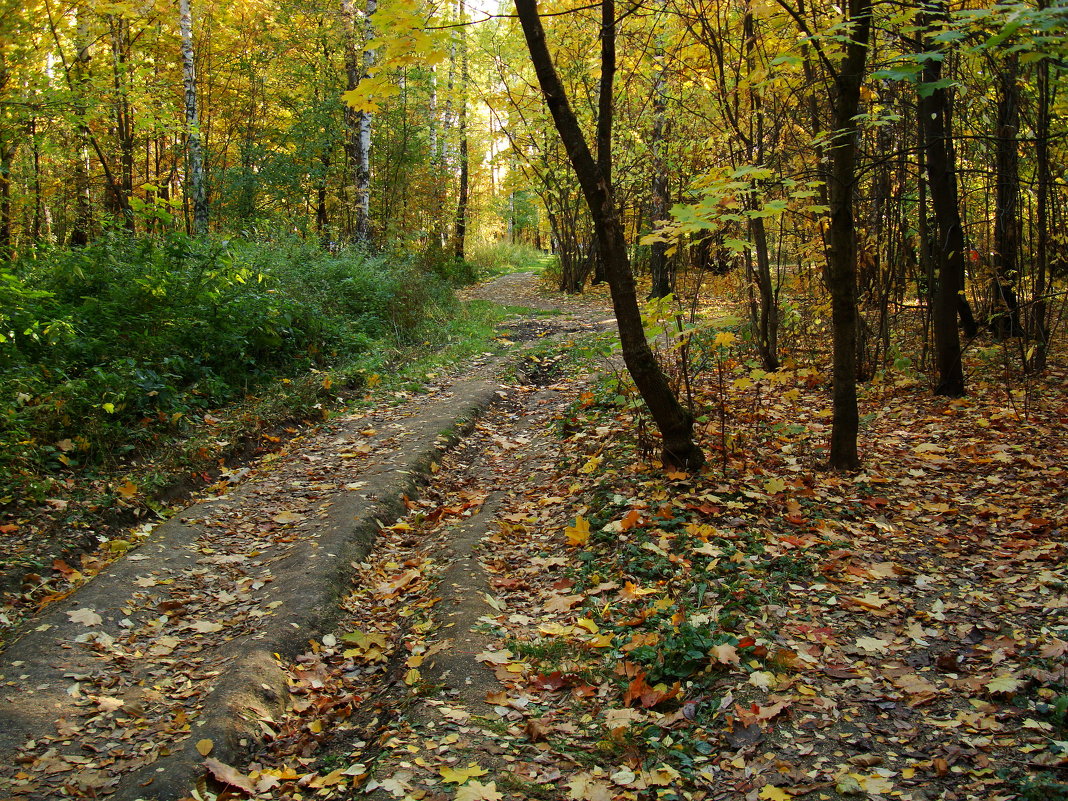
x=841, y=271
x=465, y=167
x=192, y=121
x=948, y=253
x=673, y=421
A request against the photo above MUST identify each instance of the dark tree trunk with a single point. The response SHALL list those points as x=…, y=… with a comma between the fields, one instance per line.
x=949, y=249
x=659, y=264
x=1039, y=329
x=673, y=421
x=7, y=156
x=1006, y=317
x=841, y=272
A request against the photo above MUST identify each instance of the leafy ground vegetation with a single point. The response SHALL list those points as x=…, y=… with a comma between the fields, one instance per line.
x=132, y=371
x=761, y=630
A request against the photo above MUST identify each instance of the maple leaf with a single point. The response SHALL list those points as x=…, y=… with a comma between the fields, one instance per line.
x=763, y=679
x=1003, y=685
x=474, y=790
x=725, y=654
x=771, y=793
x=106, y=703
x=230, y=775
x=461, y=775
x=562, y=603
x=587, y=787
x=579, y=533
x=773, y=486
x=501, y=657
x=872, y=645
x=85, y=616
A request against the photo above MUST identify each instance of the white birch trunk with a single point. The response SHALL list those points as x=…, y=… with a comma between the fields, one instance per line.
x=363, y=138
x=193, y=144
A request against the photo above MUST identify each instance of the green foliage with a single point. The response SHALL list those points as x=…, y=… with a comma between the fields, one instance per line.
x=497, y=258
x=122, y=341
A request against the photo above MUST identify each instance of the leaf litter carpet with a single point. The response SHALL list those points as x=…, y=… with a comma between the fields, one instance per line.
x=766, y=633
x=555, y=617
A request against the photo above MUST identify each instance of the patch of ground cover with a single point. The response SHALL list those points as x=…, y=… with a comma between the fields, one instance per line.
x=89, y=515
x=762, y=630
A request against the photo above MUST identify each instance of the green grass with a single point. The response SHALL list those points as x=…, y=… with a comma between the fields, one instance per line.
x=500, y=258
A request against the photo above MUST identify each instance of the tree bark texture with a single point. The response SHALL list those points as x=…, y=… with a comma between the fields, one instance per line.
x=193, y=144
x=464, y=187
x=841, y=271
x=659, y=264
x=949, y=251
x=673, y=421
x=1039, y=328
x=1006, y=313
x=359, y=59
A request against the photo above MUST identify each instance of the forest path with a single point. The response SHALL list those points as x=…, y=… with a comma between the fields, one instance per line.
x=173, y=652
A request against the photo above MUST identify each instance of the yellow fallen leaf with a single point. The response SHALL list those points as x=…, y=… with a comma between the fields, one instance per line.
x=578, y=534
x=771, y=793
x=774, y=486
x=1003, y=685
x=461, y=775
x=204, y=747
x=412, y=677
x=592, y=465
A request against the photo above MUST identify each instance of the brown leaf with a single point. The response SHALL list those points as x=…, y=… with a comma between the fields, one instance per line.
x=229, y=775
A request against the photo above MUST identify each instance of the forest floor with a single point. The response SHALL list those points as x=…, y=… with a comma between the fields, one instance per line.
x=555, y=616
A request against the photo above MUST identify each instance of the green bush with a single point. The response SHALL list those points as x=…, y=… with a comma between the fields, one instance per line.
x=108, y=345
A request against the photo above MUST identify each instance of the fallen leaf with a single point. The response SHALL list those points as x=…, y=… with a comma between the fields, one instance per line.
x=86, y=616
x=873, y=645
x=204, y=747
x=771, y=793
x=476, y=791
x=1003, y=685
x=287, y=517
x=579, y=533
x=229, y=775
x=461, y=775
x=725, y=654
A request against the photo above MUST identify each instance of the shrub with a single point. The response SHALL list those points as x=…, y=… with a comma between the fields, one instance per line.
x=106, y=346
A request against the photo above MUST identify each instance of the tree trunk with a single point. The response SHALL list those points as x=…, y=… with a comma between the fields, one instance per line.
x=122, y=190
x=79, y=77
x=767, y=319
x=462, y=197
x=673, y=421
x=1039, y=329
x=7, y=157
x=359, y=59
x=659, y=264
x=841, y=271
x=193, y=145
x=949, y=251
x=1006, y=316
